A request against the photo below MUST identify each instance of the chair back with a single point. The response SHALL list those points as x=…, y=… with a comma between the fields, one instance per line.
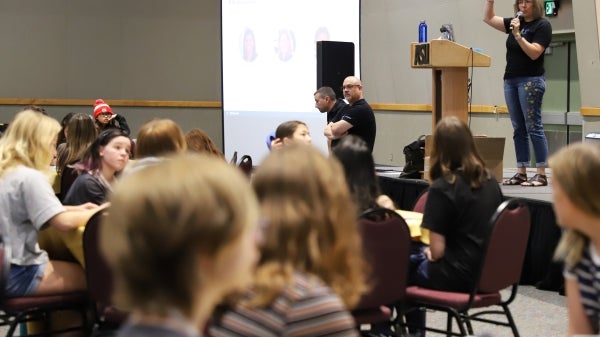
x=98, y=273
x=246, y=164
x=4, y=264
x=421, y=201
x=506, y=247
x=234, y=160
x=386, y=245
x=67, y=177
x=18, y=311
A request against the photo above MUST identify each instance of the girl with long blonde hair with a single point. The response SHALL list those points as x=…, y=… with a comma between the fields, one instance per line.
x=311, y=269
x=28, y=205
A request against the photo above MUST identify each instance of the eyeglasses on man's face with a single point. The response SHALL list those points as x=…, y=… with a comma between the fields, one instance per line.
x=350, y=86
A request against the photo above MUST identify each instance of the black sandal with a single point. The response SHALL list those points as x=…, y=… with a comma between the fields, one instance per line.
x=517, y=179
x=536, y=181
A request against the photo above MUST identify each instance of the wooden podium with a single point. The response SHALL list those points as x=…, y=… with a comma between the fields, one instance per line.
x=449, y=62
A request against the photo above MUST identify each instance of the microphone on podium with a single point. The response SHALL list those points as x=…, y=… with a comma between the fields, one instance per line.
x=517, y=16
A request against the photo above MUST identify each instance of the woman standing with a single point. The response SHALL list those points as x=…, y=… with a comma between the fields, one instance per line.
x=529, y=34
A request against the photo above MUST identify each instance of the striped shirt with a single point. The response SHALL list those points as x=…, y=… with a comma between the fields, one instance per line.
x=587, y=274
x=305, y=308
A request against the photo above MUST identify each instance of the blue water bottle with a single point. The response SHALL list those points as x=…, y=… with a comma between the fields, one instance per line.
x=422, y=32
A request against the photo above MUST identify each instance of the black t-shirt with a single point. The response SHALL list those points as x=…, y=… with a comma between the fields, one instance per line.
x=362, y=118
x=518, y=64
x=339, y=106
x=86, y=188
x=462, y=215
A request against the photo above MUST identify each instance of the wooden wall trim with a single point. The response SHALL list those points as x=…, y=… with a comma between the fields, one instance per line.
x=112, y=102
x=401, y=107
x=426, y=108
x=590, y=111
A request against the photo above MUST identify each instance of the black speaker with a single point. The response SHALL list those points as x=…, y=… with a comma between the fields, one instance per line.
x=335, y=61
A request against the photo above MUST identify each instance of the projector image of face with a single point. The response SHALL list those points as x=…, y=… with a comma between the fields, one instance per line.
x=286, y=44
x=248, y=46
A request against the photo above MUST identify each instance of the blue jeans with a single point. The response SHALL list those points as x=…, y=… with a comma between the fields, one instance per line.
x=419, y=270
x=523, y=97
x=418, y=276
x=24, y=280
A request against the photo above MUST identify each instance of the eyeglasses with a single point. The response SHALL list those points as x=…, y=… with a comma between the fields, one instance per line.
x=524, y=2
x=350, y=86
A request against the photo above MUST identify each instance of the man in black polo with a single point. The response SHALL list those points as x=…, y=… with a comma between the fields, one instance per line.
x=357, y=119
x=326, y=101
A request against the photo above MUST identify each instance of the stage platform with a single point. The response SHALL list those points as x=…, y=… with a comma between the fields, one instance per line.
x=540, y=193
x=538, y=268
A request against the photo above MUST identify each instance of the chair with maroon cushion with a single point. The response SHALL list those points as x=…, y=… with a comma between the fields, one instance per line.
x=500, y=269
x=386, y=243
x=421, y=201
x=246, y=165
x=17, y=310
x=107, y=318
x=4, y=266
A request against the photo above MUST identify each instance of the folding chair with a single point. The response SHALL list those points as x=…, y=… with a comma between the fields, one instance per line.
x=99, y=277
x=421, y=201
x=246, y=165
x=386, y=243
x=17, y=310
x=500, y=269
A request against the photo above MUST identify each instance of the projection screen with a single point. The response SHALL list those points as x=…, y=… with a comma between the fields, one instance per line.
x=269, y=66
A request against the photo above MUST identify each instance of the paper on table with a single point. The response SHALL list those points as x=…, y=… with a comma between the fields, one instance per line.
x=414, y=220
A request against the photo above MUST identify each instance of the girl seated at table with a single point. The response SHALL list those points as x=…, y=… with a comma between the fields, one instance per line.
x=28, y=205
x=156, y=139
x=462, y=198
x=291, y=132
x=356, y=159
x=103, y=160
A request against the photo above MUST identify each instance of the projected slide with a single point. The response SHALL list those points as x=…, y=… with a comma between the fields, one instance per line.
x=269, y=65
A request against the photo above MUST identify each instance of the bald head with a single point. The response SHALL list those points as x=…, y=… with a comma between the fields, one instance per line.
x=352, y=89
x=352, y=80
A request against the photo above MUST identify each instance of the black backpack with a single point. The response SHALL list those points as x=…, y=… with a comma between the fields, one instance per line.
x=414, y=155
